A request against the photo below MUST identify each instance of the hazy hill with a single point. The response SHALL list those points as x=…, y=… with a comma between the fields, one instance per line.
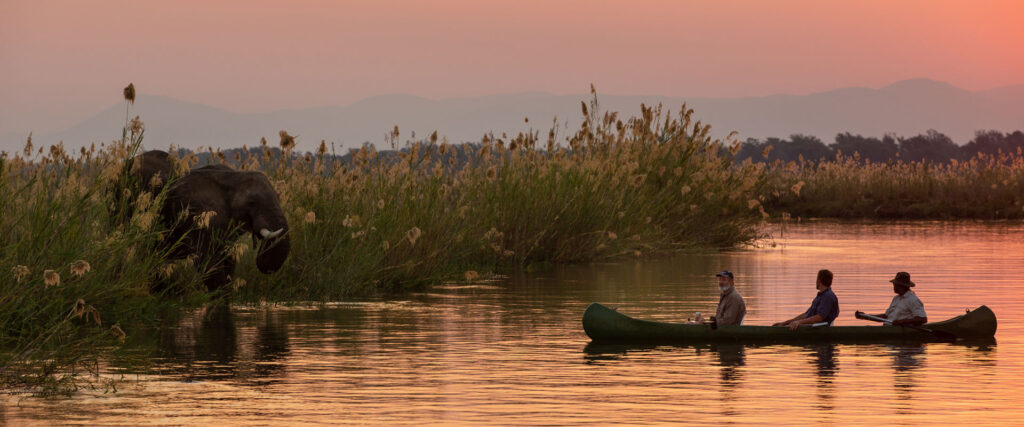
x=906, y=108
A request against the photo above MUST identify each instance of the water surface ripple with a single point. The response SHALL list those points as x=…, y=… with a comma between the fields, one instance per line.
x=514, y=351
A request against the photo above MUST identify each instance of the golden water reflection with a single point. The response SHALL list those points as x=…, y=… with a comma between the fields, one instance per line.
x=514, y=352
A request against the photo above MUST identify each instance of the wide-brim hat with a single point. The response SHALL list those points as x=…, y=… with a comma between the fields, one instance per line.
x=903, y=279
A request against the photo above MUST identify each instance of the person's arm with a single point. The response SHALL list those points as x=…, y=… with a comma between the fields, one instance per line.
x=800, y=316
x=805, y=321
x=866, y=314
x=913, y=321
x=885, y=315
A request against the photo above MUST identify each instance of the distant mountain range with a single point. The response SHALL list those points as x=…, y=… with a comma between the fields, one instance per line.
x=905, y=108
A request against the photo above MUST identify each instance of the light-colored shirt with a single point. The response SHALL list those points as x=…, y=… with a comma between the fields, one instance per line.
x=731, y=308
x=906, y=306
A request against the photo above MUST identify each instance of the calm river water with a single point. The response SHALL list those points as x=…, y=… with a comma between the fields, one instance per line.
x=514, y=351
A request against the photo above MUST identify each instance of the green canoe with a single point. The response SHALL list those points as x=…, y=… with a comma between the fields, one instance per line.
x=606, y=325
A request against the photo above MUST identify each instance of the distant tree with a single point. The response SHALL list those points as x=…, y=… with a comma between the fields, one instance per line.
x=809, y=147
x=931, y=146
x=870, y=149
x=991, y=142
x=750, y=149
x=1015, y=141
x=984, y=142
x=796, y=147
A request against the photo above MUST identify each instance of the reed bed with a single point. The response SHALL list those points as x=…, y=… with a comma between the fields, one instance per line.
x=71, y=282
x=984, y=187
x=75, y=279
x=437, y=211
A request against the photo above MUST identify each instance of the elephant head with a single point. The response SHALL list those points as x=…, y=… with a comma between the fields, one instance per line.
x=255, y=205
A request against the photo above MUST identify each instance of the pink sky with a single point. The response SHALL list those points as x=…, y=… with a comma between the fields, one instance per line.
x=63, y=61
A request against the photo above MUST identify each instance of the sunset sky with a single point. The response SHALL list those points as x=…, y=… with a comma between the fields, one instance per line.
x=63, y=61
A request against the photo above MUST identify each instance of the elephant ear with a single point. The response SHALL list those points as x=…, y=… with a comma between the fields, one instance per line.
x=198, y=194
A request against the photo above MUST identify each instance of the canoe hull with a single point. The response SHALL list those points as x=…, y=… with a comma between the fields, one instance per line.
x=605, y=325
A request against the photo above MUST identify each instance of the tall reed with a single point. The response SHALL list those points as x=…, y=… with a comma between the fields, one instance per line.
x=71, y=281
x=649, y=184
x=984, y=187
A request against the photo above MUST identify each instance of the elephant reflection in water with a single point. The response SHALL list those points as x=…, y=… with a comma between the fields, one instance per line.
x=208, y=345
x=209, y=208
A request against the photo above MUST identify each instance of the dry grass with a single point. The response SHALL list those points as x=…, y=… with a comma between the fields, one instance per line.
x=984, y=187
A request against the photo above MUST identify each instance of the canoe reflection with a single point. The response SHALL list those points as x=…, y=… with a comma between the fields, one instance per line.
x=730, y=357
x=823, y=357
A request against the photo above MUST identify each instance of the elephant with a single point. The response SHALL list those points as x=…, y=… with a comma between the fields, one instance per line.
x=240, y=201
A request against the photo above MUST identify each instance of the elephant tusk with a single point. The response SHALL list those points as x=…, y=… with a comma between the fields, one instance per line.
x=267, y=234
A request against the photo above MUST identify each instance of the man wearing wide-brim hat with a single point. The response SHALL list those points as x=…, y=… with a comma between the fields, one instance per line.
x=906, y=308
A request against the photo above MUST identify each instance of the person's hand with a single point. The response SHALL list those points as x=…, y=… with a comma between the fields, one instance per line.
x=777, y=324
x=794, y=324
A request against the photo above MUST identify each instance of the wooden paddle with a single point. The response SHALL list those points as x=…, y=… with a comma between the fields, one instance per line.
x=943, y=335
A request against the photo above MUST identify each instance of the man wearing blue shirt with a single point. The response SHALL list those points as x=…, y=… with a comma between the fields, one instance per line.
x=824, y=308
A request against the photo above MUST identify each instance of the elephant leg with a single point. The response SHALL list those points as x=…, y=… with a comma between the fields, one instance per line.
x=219, y=275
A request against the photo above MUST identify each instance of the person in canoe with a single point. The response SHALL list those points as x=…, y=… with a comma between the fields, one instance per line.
x=824, y=308
x=731, y=308
x=906, y=308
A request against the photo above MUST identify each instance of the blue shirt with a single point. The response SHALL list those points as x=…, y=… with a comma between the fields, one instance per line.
x=825, y=304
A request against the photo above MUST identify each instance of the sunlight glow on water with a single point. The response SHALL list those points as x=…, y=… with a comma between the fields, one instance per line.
x=514, y=352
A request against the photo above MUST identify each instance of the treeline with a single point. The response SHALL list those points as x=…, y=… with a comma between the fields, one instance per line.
x=931, y=146
x=458, y=155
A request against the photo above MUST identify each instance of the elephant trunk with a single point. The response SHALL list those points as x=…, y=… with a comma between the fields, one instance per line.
x=272, y=244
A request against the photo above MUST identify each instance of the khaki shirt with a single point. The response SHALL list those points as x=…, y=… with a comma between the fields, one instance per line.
x=906, y=306
x=731, y=308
